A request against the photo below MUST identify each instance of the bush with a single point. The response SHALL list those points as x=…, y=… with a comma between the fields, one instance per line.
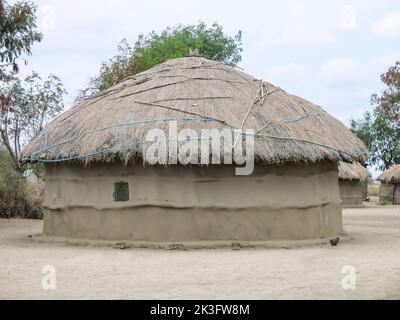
x=18, y=200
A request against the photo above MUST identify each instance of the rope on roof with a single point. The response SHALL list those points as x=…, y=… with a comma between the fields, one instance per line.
x=257, y=136
x=129, y=123
x=139, y=122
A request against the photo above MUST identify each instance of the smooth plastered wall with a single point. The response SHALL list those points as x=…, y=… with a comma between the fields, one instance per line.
x=386, y=193
x=364, y=190
x=286, y=202
x=351, y=192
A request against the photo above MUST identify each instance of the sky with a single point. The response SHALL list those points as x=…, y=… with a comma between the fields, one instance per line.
x=330, y=52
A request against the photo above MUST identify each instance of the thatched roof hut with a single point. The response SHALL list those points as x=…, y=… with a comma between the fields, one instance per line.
x=353, y=183
x=99, y=143
x=390, y=186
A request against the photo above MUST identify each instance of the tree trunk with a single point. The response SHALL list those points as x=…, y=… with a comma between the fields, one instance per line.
x=14, y=157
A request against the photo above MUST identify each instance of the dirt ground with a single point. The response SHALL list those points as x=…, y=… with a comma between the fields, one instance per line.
x=301, y=273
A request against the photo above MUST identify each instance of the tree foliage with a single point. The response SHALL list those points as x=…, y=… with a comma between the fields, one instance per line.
x=155, y=48
x=25, y=107
x=17, y=34
x=380, y=129
x=389, y=101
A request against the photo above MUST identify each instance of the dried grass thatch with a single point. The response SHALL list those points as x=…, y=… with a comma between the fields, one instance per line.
x=199, y=94
x=391, y=176
x=353, y=171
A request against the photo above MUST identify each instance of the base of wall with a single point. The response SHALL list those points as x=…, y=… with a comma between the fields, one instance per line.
x=183, y=246
x=200, y=224
x=352, y=203
x=354, y=206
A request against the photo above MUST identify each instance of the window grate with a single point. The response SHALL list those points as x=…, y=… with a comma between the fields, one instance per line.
x=121, y=192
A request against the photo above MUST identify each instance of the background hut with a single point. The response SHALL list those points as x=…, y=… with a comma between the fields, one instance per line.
x=353, y=183
x=389, y=192
x=97, y=185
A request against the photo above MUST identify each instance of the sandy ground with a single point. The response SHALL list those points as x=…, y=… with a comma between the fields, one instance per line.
x=301, y=273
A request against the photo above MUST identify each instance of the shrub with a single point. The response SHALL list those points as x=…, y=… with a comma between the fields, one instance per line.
x=18, y=200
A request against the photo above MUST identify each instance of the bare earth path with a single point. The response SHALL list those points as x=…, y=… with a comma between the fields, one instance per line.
x=106, y=273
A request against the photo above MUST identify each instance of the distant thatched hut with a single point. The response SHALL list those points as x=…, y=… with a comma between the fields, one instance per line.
x=98, y=188
x=353, y=183
x=390, y=186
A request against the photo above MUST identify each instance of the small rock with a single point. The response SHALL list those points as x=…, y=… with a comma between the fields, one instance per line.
x=176, y=246
x=236, y=246
x=121, y=246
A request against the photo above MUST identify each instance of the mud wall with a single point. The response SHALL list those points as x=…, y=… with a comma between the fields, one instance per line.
x=364, y=190
x=193, y=203
x=386, y=194
x=351, y=192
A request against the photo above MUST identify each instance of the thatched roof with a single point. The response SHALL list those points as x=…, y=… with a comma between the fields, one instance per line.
x=199, y=94
x=353, y=171
x=391, y=176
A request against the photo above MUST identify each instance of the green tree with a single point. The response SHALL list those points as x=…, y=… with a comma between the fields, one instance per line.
x=389, y=101
x=155, y=48
x=17, y=34
x=380, y=129
x=26, y=106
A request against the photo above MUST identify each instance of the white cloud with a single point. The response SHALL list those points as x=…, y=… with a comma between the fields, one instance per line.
x=349, y=17
x=297, y=36
x=289, y=73
x=388, y=25
x=340, y=70
x=357, y=76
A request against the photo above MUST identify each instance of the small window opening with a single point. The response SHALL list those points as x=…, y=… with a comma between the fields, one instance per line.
x=121, y=192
